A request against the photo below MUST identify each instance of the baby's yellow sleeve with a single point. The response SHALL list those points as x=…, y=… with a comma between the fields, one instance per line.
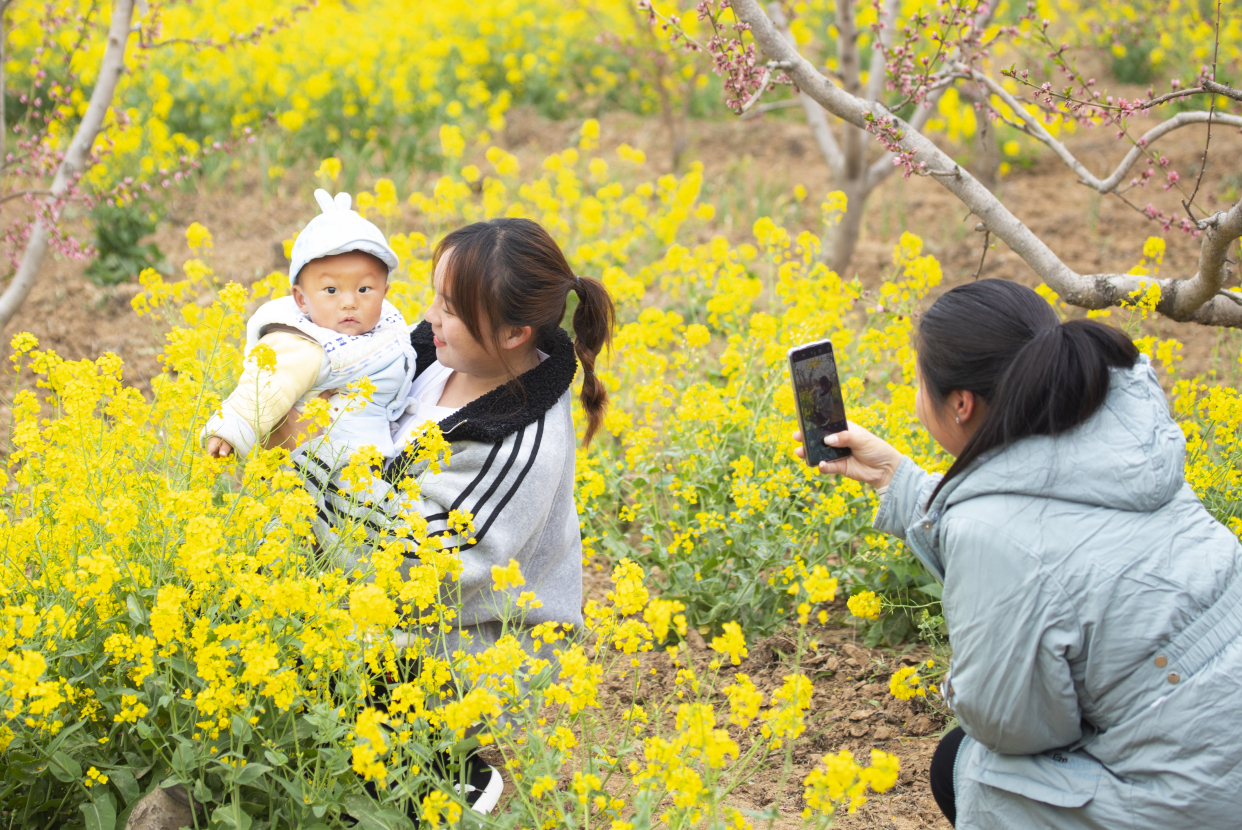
x=262, y=398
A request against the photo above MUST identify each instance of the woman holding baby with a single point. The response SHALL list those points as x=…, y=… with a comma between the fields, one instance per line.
x=490, y=364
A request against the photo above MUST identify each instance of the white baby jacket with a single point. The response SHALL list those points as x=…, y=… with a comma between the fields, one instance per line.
x=384, y=355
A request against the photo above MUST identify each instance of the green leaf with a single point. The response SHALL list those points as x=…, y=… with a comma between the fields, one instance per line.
x=134, y=607
x=100, y=813
x=250, y=773
x=373, y=817
x=278, y=758
x=241, y=728
x=64, y=768
x=202, y=792
x=896, y=627
x=465, y=746
x=239, y=820
x=184, y=759
x=126, y=784
x=933, y=589
x=875, y=633
x=64, y=734
x=293, y=787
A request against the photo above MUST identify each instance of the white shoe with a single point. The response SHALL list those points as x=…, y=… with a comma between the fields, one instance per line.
x=483, y=785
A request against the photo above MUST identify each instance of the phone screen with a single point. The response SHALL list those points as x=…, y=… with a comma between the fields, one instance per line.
x=817, y=390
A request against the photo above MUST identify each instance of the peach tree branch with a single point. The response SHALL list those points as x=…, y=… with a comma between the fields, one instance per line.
x=1197, y=299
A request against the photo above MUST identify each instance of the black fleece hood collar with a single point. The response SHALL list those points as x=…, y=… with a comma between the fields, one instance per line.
x=508, y=408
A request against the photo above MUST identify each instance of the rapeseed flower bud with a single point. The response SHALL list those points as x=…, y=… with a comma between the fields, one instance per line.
x=865, y=605
x=906, y=683
x=507, y=576
x=731, y=643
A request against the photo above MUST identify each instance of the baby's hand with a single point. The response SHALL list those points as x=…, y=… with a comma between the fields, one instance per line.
x=217, y=447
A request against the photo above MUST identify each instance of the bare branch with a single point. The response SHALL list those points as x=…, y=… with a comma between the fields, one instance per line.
x=1188, y=203
x=822, y=133
x=76, y=159
x=771, y=106
x=763, y=86
x=983, y=257
x=1222, y=89
x=1208, y=86
x=876, y=74
x=20, y=193
x=882, y=168
x=815, y=118
x=1036, y=130
x=853, y=147
x=1195, y=299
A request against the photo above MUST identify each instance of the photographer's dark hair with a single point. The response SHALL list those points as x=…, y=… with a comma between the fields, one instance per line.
x=510, y=272
x=1003, y=342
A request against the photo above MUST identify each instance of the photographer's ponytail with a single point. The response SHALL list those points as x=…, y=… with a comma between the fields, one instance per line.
x=1003, y=342
x=593, y=323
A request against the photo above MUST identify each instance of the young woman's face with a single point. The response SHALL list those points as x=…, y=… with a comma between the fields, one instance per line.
x=456, y=348
x=938, y=418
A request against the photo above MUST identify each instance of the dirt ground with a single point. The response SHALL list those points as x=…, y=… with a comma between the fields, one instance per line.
x=750, y=169
x=851, y=709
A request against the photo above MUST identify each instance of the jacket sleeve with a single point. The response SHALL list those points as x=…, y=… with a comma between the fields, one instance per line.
x=1013, y=632
x=904, y=501
x=262, y=399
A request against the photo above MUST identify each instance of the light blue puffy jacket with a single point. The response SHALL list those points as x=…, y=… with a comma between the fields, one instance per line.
x=1095, y=613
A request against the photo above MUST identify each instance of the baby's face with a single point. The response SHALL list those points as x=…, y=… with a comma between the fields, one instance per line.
x=344, y=292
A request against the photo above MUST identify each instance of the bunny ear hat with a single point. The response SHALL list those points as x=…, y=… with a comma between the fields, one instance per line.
x=338, y=230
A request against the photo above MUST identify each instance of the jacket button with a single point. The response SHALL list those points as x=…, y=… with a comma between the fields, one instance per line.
x=927, y=525
x=1173, y=678
x=1162, y=661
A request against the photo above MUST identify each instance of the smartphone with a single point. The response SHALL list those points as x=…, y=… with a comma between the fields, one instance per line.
x=817, y=390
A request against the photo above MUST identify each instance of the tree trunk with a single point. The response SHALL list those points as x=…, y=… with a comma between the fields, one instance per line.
x=76, y=159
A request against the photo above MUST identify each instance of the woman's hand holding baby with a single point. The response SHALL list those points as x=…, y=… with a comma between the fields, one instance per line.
x=872, y=460
x=217, y=447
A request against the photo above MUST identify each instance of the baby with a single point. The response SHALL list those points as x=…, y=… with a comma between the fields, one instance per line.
x=336, y=329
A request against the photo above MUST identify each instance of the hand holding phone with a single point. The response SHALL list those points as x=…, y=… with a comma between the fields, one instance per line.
x=871, y=459
x=817, y=391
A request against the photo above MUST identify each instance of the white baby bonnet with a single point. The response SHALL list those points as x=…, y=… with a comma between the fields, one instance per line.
x=338, y=230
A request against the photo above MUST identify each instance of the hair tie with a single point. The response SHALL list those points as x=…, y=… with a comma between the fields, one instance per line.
x=577, y=283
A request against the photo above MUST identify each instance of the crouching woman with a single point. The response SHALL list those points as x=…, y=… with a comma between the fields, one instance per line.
x=1094, y=606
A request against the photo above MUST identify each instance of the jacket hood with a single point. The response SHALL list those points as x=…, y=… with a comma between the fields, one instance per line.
x=1129, y=455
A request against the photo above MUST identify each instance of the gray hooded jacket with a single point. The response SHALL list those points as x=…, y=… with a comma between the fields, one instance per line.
x=1095, y=612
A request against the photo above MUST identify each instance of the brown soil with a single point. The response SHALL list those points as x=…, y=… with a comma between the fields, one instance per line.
x=851, y=709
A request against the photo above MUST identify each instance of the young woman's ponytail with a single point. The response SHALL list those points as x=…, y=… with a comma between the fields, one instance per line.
x=510, y=272
x=1003, y=342
x=593, y=322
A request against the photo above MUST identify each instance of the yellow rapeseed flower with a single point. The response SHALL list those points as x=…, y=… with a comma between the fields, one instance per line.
x=865, y=605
